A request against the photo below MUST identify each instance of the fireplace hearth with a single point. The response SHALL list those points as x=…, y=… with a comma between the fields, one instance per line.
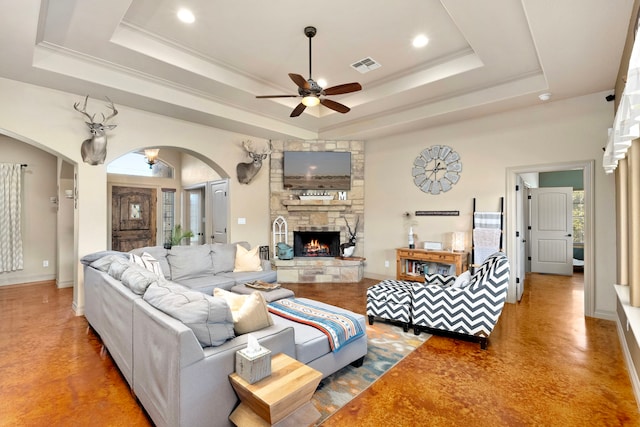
x=316, y=243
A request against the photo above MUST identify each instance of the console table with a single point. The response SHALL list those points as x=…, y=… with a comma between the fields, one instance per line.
x=283, y=398
x=410, y=263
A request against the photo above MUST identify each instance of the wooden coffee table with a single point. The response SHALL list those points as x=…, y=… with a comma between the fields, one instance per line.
x=281, y=399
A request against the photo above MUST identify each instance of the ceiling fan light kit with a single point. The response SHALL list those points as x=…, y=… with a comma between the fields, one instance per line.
x=311, y=101
x=311, y=92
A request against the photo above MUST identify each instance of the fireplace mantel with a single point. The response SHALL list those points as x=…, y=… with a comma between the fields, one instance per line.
x=316, y=205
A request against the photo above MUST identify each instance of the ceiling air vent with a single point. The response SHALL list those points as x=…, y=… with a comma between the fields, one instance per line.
x=365, y=65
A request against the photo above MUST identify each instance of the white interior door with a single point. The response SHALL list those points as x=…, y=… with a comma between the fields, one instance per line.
x=219, y=191
x=552, y=230
x=195, y=214
x=520, y=239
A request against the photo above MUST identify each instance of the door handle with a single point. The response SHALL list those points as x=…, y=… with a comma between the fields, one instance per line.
x=568, y=235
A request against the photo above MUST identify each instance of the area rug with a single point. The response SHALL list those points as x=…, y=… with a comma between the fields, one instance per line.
x=387, y=345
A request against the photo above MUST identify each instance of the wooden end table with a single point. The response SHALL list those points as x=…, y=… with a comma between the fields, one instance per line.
x=281, y=399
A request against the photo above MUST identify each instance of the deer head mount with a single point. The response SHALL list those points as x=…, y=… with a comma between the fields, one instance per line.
x=348, y=248
x=94, y=149
x=247, y=171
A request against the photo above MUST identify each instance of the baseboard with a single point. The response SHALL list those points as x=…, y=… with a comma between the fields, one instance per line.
x=633, y=375
x=375, y=276
x=79, y=311
x=605, y=315
x=67, y=284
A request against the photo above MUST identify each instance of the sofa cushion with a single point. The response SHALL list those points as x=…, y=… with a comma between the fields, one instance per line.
x=247, y=260
x=190, y=261
x=147, y=261
x=104, y=263
x=90, y=258
x=250, y=312
x=209, y=317
x=224, y=255
x=117, y=267
x=138, y=278
x=207, y=284
x=159, y=253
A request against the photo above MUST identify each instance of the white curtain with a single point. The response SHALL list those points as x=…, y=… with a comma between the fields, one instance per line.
x=10, y=217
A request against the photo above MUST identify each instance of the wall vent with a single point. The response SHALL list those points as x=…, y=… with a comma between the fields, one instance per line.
x=365, y=65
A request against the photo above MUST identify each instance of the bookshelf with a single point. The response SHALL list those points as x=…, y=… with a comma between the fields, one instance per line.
x=411, y=263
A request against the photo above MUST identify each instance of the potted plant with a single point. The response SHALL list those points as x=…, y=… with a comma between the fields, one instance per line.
x=178, y=235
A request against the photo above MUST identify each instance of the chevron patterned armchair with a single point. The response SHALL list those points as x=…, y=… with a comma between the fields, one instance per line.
x=470, y=311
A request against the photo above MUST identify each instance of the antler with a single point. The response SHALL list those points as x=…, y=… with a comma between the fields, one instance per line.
x=84, y=109
x=248, y=146
x=267, y=149
x=348, y=228
x=92, y=118
x=112, y=107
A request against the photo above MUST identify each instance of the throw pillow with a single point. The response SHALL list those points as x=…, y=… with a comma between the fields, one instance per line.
x=209, y=317
x=159, y=253
x=462, y=280
x=247, y=260
x=250, y=312
x=147, y=261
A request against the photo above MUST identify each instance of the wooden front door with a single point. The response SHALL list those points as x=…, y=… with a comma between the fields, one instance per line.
x=133, y=218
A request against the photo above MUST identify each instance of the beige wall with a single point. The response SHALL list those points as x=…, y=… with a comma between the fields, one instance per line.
x=39, y=228
x=60, y=130
x=555, y=132
x=560, y=131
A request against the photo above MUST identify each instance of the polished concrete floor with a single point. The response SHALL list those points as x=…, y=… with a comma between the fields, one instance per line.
x=546, y=365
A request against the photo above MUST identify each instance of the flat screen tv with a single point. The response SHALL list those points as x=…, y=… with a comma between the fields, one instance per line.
x=317, y=170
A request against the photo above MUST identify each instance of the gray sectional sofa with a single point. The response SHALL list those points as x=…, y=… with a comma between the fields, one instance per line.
x=176, y=375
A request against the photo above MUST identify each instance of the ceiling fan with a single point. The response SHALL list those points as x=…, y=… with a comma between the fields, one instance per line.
x=312, y=94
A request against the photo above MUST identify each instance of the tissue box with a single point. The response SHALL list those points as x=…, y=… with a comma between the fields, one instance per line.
x=254, y=367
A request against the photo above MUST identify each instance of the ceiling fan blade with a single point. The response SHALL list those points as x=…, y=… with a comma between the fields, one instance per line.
x=298, y=110
x=336, y=106
x=340, y=89
x=277, y=96
x=300, y=81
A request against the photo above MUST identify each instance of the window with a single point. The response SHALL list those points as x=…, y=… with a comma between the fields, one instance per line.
x=136, y=164
x=578, y=216
x=168, y=213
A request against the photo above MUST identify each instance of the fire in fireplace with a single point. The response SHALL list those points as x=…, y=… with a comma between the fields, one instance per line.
x=316, y=243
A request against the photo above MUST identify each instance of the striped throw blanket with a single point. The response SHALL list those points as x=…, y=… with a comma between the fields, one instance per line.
x=340, y=328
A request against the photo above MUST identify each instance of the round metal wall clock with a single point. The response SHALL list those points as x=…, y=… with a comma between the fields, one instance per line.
x=436, y=169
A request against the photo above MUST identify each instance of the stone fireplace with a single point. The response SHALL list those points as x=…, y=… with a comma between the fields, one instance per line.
x=316, y=243
x=333, y=215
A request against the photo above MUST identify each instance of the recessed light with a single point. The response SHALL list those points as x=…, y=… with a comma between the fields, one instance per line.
x=322, y=82
x=186, y=16
x=420, y=41
x=544, y=96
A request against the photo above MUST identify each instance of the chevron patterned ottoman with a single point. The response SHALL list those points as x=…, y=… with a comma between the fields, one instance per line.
x=391, y=300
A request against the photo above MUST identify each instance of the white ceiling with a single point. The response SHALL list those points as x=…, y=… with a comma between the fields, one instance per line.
x=484, y=56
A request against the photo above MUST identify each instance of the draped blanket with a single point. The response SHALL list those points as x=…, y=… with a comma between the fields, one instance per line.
x=486, y=235
x=340, y=328
x=11, y=258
